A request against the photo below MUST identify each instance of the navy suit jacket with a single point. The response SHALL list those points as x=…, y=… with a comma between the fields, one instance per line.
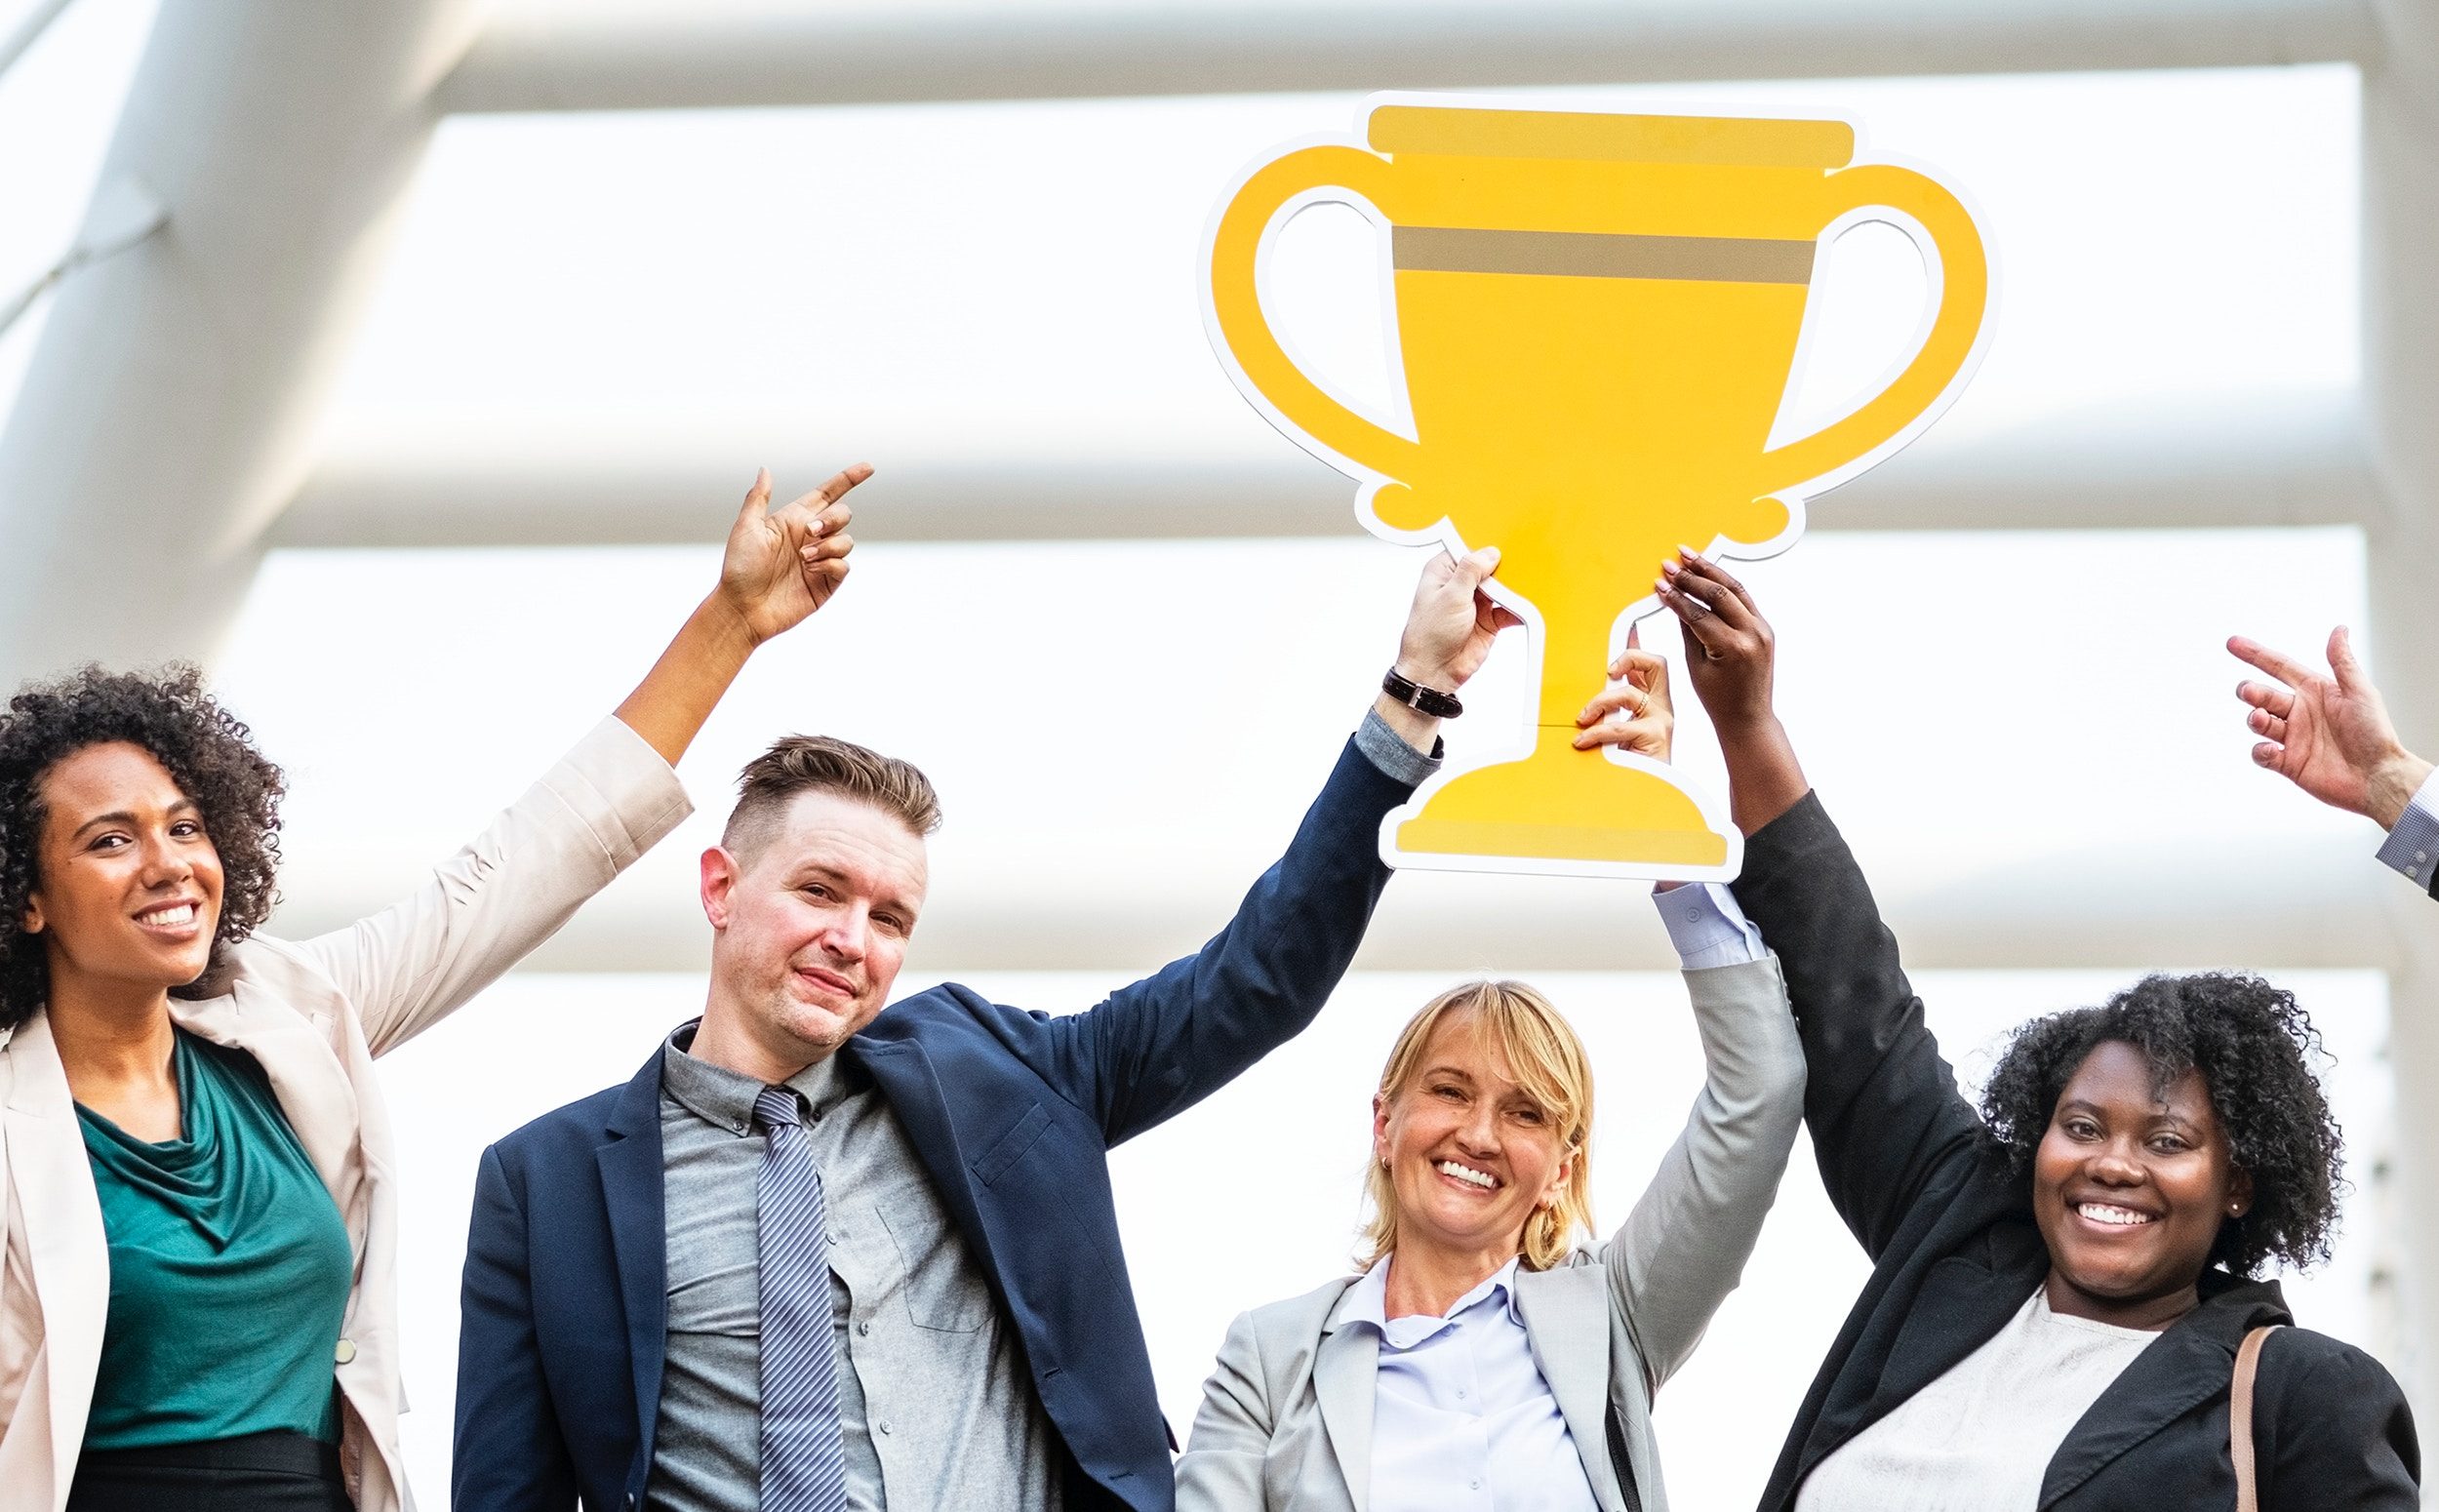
x=1011, y=1114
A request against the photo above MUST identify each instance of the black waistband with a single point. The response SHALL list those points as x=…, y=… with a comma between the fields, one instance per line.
x=279, y=1451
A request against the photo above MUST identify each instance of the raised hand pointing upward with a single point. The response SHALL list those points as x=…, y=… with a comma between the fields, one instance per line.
x=780, y=566
x=784, y=564
x=2330, y=736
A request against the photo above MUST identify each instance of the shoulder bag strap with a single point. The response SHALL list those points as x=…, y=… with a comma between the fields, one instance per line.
x=2240, y=1418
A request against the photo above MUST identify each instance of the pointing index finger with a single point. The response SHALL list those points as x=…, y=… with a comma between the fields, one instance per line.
x=820, y=508
x=2285, y=668
x=843, y=480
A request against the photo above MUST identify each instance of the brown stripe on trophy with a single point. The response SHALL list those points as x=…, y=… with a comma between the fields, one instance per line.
x=1719, y=260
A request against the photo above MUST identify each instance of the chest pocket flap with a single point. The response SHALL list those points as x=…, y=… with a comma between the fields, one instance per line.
x=1011, y=1147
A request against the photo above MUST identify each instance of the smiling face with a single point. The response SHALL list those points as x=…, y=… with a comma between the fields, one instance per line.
x=1469, y=1152
x=2129, y=1190
x=130, y=883
x=811, y=925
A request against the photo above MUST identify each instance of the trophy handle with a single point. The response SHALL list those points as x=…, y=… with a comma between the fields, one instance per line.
x=1964, y=294
x=1246, y=337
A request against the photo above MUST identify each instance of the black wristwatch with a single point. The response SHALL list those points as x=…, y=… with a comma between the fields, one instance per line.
x=1427, y=701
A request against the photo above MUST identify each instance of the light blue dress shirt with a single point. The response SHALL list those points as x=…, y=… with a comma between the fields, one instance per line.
x=2413, y=846
x=1707, y=926
x=1462, y=1419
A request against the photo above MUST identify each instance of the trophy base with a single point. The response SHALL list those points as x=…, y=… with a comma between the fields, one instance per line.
x=1564, y=805
x=1562, y=843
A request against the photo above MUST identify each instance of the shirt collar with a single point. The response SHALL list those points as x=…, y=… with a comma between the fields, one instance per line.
x=725, y=1098
x=1368, y=1301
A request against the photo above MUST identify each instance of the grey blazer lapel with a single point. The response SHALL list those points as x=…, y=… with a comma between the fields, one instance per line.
x=1566, y=1316
x=1345, y=1369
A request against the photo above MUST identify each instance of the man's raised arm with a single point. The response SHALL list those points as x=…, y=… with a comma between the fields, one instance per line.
x=1167, y=1042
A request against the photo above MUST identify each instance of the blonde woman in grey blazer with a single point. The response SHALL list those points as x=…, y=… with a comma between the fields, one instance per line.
x=1489, y=1355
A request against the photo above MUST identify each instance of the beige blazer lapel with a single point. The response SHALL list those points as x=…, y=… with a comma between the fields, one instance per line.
x=66, y=1243
x=1345, y=1370
x=1566, y=1317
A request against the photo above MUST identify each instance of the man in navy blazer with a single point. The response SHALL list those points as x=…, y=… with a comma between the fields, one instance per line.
x=987, y=1350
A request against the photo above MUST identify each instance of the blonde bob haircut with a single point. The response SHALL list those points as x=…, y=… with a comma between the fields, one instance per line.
x=1549, y=1062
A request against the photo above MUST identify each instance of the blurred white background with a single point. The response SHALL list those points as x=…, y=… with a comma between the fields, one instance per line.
x=1018, y=281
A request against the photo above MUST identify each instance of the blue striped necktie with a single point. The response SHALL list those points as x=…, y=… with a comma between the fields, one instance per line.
x=803, y=1460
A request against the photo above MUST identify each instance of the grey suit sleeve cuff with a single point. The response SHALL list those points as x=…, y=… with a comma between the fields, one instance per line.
x=1387, y=750
x=2413, y=846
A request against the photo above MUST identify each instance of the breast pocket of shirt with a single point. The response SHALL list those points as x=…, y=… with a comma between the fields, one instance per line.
x=942, y=1283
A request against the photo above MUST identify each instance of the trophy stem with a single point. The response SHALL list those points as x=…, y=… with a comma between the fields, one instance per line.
x=1559, y=804
x=1575, y=662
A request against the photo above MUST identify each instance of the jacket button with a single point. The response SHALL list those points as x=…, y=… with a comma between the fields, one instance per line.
x=347, y=1350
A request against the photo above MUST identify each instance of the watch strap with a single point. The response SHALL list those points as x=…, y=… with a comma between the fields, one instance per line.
x=1427, y=701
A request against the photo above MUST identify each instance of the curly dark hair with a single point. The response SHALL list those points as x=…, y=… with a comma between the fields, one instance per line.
x=2248, y=1041
x=207, y=751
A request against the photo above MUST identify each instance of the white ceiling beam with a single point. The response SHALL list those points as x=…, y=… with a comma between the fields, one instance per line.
x=2267, y=905
x=2277, y=460
x=761, y=52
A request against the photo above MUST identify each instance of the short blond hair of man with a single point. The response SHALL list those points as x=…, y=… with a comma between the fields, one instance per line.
x=799, y=763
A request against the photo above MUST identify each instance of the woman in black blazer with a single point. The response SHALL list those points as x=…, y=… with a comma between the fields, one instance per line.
x=2067, y=1275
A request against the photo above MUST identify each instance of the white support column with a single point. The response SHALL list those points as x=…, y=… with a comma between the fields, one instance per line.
x=164, y=419
x=2401, y=397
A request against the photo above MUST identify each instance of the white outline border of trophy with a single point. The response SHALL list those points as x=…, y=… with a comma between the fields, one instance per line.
x=1444, y=535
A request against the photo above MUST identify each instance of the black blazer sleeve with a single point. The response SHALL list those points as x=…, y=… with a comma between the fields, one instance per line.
x=509, y=1454
x=1882, y=1106
x=2330, y=1430
x=1156, y=1048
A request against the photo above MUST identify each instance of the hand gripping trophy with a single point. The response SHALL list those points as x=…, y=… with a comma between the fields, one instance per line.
x=1596, y=320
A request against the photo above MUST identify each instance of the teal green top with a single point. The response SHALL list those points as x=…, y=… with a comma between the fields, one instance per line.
x=229, y=1268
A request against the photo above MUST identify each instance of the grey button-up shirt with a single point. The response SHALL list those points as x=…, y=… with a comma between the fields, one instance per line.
x=934, y=1399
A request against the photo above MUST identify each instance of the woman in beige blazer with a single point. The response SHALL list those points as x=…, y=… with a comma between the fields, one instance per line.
x=1487, y=1356
x=196, y=1171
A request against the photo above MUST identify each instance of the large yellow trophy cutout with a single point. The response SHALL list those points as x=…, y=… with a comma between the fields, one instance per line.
x=1596, y=320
